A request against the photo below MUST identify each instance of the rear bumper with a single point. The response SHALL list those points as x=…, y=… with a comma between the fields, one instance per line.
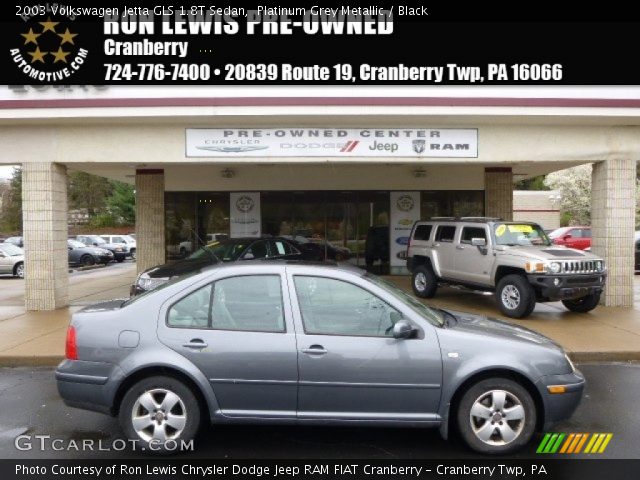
x=88, y=385
x=560, y=406
x=568, y=286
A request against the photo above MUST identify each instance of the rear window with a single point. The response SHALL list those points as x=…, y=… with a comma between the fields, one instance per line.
x=423, y=232
x=445, y=233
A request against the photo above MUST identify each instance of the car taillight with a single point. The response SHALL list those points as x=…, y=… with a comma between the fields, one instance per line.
x=71, y=348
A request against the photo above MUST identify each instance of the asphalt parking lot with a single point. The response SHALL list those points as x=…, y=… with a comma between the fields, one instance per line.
x=85, y=287
x=31, y=406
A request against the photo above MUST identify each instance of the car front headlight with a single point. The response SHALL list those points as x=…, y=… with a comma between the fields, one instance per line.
x=554, y=267
x=600, y=266
x=573, y=367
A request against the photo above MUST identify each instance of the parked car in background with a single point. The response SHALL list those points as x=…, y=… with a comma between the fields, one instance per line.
x=216, y=237
x=318, y=249
x=636, y=244
x=514, y=260
x=17, y=241
x=231, y=250
x=572, y=237
x=97, y=241
x=11, y=260
x=127, y=241
x=377, y=245
x=81, y=255
x=285, y=342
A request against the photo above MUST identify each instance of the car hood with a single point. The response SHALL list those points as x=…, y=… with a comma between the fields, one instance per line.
x=181, y=267
x=554, y=252
x=490, y=327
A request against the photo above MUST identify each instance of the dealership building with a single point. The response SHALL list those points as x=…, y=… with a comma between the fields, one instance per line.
x=345, y=167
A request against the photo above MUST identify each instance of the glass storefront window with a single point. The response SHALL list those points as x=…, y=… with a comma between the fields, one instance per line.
x=452, y=203
x=180, y=223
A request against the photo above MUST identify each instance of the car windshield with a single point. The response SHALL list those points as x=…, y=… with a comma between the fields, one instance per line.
x=227, y=250
x=11, y=250
x=558, y=232
x=522, y=234
x=128, y=239
x=98, y=240
x=75, y=244
x=433, y=316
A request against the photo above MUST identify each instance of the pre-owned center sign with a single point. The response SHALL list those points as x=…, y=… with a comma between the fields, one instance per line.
x=332, y=142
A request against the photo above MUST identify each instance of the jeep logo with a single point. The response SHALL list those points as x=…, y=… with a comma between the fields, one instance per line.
x=387, y=147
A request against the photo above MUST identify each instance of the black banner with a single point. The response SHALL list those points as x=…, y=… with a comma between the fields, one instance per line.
x=319, y=469
x=436, y=43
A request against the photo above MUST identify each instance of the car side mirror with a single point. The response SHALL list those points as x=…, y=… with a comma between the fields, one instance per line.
x=402, y=329
x=248, y=256
x=95, y=244
x=481, y=243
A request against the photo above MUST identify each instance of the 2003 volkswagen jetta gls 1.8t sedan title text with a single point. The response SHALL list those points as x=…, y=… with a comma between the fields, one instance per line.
x=301, y=343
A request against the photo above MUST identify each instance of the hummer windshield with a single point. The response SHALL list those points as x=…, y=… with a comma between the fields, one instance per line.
x=520, y=234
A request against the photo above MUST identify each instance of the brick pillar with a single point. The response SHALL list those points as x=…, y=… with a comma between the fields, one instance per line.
x=44, y=219
x=613, y=187
x=498, y=192
x=149, y=218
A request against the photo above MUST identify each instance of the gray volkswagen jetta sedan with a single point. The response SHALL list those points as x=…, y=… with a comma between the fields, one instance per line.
x=301, y=343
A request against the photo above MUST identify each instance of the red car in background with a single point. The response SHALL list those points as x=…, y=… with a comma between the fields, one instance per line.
x=573, y=237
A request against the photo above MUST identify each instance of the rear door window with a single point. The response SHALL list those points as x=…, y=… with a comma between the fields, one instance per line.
x=445, y=233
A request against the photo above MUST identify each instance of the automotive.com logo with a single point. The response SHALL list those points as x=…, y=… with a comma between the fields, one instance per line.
x=48, y=50
x=574, y=443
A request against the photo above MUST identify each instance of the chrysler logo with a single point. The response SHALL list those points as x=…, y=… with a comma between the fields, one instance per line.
x=237, y=149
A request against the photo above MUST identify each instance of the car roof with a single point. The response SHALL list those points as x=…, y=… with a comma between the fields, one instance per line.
x=345, y=267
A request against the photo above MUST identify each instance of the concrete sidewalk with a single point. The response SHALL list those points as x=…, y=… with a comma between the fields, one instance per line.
x=613, y=334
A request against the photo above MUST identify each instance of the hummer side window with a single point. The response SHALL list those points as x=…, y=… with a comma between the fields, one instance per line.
x=423, y=232
x=472, y=232
x=445, y=233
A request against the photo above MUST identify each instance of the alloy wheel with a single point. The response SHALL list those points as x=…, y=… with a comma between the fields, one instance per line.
x=20, y=271
x=159, y=415
x=510, y=297
x=420, y=281
x=497, y=417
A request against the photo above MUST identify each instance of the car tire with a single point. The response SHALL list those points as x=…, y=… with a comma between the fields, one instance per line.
x=148, y=397
x=584, y=304
x=424, y=281
x=133, y=254
x=516, y=297
x=87, y=261
x=18, y=270
x=483, y=416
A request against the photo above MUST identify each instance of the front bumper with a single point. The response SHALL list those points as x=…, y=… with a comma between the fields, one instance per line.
x=560, y=406
x=568, y=286
x=88, y=385
x=104, y=258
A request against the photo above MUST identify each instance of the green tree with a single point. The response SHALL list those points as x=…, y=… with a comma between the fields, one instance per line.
x=535, y=183
x=88, y=191
x=11, y=215
x=121, y=204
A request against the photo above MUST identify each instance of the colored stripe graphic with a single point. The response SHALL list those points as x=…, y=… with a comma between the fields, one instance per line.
x=572, y=443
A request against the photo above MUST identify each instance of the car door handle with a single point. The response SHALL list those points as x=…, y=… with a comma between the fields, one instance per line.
x=435, y=245
x=459, y=247
x=195, y=343
x=314, y=350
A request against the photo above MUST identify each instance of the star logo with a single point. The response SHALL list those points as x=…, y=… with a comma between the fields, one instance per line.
x=48, y=50
x=60, y=55
x=31, y=37
x=49, y=25
x=37, y=55
x=67, y=37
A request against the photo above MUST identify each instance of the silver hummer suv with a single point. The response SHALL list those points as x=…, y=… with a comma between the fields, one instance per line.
x=516, y=260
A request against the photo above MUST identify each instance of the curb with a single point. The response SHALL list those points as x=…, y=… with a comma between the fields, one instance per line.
x=578, y=357
x=621, y=356
x=34, y=361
